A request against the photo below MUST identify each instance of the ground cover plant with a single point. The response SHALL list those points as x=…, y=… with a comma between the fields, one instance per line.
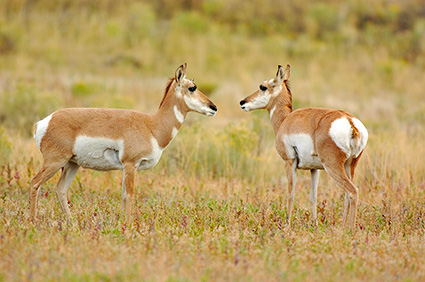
x=214, y=207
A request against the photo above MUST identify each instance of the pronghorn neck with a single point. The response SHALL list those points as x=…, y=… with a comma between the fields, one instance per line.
x=279, y=108
x=169, y=117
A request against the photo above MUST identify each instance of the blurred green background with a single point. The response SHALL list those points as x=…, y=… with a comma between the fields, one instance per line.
x=367, y=57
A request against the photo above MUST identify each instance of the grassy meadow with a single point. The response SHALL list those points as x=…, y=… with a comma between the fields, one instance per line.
x=214, y=207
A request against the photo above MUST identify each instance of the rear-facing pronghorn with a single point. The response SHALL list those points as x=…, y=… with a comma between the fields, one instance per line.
x=312, y=138
x=112, y=139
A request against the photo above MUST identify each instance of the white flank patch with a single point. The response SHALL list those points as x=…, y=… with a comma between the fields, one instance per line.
x=341, y=133
x=301, y=146
x=272, y=112
x=41, y=129
x=360, y=143
x=178, y=114
x=151, y=160
x=98, y=153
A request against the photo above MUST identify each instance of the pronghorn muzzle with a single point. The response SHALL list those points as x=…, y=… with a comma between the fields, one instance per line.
x=242, y=105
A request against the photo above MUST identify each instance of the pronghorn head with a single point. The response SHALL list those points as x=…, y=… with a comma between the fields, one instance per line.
x=268, y=90
x=193, y=99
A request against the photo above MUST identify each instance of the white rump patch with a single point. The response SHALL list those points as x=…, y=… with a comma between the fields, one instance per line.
x=41, y=129
x=300, y=146
x=178, y=114
x=98, y=153
x=341, y=133
x=360, y=143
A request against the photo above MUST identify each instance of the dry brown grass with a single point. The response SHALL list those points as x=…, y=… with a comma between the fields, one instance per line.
x=214, y=207
x=197, y=229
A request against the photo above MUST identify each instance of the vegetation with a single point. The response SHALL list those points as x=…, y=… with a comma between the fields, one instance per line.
x=214, y=207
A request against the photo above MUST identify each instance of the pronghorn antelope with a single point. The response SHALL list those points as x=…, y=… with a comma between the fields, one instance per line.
x=112, y=139
x=312, y=138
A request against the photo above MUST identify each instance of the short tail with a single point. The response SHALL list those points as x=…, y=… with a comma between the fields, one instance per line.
x=359, y=136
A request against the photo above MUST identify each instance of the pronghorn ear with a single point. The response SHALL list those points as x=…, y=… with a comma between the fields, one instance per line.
x=180, y=73
x=287, y=73
x=282, y=74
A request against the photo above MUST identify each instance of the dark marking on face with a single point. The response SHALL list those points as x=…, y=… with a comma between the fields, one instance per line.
x=263, y=88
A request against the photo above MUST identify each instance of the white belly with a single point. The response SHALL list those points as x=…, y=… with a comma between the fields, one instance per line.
x=300, y=146
x=103, y=154
x=98, y=153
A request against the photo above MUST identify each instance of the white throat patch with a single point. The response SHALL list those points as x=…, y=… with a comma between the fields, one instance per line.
x=178, y=114
x=272, y=112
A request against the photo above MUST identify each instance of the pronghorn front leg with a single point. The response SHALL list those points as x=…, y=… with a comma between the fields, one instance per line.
x=128, y=189
x=313, y=193
x=291, y=174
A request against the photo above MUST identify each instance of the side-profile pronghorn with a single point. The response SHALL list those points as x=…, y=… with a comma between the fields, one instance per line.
x=312, y=138
x=113, y=139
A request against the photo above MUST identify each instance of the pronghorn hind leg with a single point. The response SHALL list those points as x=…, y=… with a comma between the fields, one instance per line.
x=347, y=167
x=353, y=165
x=69, y=171
x=337, y=172
x=129, y=172
x=350, y=167
x=46, y=172
x=313, y=193
x=291, y=174
x=346, y=208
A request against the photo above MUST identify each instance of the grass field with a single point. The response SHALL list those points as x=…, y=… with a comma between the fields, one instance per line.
x=214, y=207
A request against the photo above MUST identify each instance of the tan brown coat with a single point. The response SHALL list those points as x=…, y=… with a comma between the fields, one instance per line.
x=313, y=139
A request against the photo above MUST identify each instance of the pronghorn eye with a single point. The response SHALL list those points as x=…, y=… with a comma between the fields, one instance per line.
x=192, y=89
x=263, y=88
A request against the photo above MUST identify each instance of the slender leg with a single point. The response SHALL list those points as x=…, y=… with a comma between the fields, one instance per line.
x=291, y=174
x=346, y=207
x=69, y=172
x=313, y=193
x=354, y=163
x=47, y=171
x=336, y=171
x=347, y=167
x=127, y=192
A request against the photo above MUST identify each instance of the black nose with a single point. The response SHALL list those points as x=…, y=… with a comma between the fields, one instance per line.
x=213, y=107
x=242, y=102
